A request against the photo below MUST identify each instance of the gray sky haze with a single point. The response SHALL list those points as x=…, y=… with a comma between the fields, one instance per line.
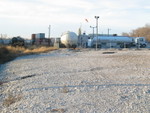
x=25, y=17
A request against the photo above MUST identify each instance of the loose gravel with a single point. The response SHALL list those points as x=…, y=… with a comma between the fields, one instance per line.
x=77, y=81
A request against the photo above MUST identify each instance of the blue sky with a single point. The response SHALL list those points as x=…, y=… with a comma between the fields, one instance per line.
x=24, y=17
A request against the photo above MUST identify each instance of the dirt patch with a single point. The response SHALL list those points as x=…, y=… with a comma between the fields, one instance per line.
x=19, y=78
x=28, y=76
x=2, y=82
x=60, y=110
x=108, y=52
x=11, y=99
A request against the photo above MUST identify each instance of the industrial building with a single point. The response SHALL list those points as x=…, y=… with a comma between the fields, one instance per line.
x=39, y=39
x=83, y=40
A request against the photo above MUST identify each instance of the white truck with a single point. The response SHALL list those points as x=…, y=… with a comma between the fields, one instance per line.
x=140, y=42
x=118, y=41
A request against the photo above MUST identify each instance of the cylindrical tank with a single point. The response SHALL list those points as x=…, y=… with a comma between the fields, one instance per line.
x=69, y=39
x=114, y=39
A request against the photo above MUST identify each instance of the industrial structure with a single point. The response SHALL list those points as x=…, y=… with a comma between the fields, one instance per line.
x=71, y=40
x=39, y=39
x=83, y=40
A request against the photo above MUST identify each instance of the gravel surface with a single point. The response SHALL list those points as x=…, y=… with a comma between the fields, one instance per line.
x=77, y=81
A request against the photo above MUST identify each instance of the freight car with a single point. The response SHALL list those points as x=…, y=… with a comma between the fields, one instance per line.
x=120, y=41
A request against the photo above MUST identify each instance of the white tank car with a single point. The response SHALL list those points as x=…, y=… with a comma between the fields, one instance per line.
x=116, y=39
x=121, y=40
x=69, y=39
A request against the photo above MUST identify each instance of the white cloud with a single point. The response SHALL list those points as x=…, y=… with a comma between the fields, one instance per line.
x=68, y=14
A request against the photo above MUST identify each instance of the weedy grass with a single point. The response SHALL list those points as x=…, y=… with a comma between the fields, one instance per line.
x=39, y=50
x=8, y=53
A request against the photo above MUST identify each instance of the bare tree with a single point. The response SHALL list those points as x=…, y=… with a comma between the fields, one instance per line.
x=140, y=32
x=125, y=34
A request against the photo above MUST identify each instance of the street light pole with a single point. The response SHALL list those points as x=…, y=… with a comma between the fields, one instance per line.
x=93, y=30
x=49, y=31
x=96, y=17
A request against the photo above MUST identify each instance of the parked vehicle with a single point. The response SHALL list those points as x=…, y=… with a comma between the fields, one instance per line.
x=140, y=42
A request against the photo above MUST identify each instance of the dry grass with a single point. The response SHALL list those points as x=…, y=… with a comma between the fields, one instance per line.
x=15, y=49
x=11, y=99
x=8, y=53
x=39, y=50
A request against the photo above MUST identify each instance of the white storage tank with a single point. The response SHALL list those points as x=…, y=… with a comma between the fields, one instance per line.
x=69, y=39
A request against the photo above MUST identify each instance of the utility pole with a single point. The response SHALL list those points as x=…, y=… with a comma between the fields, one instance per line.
x=108, y=31
x=96, y=17
x=49, y=31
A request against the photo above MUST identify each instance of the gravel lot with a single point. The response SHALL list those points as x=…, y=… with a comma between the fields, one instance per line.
x=77, y=81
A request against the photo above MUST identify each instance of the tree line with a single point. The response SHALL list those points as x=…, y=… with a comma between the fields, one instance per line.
x=140, y=32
